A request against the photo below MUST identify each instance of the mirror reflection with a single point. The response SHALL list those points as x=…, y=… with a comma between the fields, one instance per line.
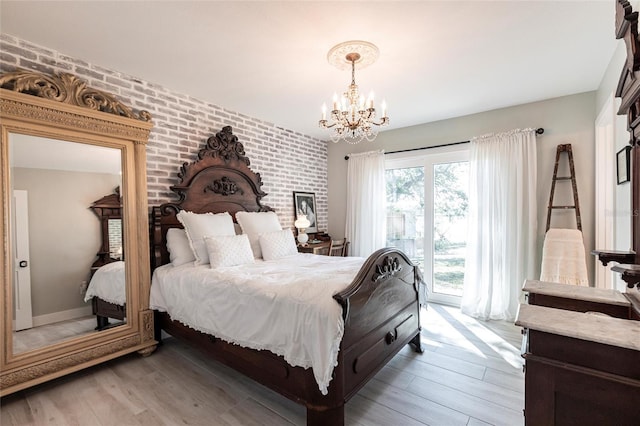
x=58, y=239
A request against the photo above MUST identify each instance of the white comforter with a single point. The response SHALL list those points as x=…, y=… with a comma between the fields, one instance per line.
x=284, y=305
x=107, y=283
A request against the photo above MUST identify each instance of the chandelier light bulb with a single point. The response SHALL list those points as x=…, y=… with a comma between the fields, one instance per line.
x=370, y=100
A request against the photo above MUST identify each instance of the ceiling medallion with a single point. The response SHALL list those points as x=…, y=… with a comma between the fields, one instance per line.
x=352, y=117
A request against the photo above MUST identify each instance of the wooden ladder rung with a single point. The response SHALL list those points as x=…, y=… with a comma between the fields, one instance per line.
x=572, y=177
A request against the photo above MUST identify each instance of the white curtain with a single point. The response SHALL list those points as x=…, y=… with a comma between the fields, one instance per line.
x=366, y=203
x=501, y=246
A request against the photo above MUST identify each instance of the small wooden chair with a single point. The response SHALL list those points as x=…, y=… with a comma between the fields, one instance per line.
x=338, y=247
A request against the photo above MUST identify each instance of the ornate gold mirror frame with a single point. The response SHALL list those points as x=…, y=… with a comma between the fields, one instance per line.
x=63, y=107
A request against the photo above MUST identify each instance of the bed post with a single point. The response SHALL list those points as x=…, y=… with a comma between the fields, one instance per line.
x=332, y=416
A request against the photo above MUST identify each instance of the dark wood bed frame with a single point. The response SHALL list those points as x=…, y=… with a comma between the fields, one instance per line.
x=107, y=207
x=381, y=307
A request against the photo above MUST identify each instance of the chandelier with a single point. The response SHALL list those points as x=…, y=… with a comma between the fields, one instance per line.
x=353, y=118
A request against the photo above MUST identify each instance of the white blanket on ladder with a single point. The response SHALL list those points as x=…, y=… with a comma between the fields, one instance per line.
x=563, y=258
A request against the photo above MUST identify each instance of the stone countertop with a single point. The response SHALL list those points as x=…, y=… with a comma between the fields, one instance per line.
x=593, y=327
x=590, y=294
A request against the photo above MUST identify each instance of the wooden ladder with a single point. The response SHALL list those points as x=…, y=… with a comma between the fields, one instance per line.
x=576, y=205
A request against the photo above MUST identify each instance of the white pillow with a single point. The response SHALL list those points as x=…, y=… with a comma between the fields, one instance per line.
x=255, y=223
x=198, y=225
x=179, y=247
x=278, y=244
x=229, y=250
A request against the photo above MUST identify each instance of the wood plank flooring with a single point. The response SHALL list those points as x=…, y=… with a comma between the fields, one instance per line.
x=470, y=374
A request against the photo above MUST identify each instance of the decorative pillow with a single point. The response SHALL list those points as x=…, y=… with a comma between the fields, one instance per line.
x=278, y=244
x=255, y=223
x=198, y=225
x=229, y=250
x=178, y=246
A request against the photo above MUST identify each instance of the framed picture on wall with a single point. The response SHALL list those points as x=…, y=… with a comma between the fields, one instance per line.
x=304, y=203
x=623, y=164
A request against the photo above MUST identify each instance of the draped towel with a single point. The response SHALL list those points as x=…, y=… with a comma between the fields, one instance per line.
x=563, y=257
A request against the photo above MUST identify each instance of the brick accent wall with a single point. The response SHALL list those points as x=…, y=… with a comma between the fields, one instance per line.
x=287, y=161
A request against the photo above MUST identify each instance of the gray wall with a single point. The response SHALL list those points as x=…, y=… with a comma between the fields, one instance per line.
x=568, y=119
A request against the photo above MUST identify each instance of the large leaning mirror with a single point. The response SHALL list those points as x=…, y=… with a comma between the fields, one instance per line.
x=75, y=268
x=57, y=236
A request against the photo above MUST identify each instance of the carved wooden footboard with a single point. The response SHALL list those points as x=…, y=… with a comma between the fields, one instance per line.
x=381, y=309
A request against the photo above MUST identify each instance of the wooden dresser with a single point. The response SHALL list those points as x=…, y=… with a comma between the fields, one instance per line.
x=582, y=366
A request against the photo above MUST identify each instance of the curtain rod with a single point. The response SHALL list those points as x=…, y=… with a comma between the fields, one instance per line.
x=539, y=131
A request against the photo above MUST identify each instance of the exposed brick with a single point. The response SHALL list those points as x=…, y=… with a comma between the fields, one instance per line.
x=56, y=63
x=76, y=62
x=36, y=66
x=107, y=88
x=18, y=51
x=86, y=72
x=141, y=89
x=119, y=82
x=7, y=58
x=285, y=159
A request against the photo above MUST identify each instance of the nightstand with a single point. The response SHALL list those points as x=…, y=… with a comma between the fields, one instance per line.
x=317, y=248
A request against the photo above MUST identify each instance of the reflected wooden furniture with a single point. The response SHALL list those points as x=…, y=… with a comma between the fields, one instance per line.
x=62, y=107
x=315, y=248
x=107, y=208
x=381, y=307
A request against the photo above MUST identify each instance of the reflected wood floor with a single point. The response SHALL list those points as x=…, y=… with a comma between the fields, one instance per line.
x=470, y=374
x=49, y=334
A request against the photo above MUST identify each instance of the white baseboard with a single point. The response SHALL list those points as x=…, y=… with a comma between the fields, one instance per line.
x=62, y=316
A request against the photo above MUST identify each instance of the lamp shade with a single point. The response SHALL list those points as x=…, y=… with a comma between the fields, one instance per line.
x=302, y=222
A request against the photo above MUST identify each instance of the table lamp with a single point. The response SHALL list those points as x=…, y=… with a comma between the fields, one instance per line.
x=302, y=223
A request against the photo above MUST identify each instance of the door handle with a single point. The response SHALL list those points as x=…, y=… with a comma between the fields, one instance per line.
x=23, y=264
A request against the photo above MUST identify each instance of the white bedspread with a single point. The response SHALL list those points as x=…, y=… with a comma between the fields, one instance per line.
x=284, y=305
x=108, y=284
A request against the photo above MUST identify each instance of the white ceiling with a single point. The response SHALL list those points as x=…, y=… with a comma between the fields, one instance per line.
x=438, y=59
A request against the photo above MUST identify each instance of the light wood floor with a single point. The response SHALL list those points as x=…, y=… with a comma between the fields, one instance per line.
x=470, y=374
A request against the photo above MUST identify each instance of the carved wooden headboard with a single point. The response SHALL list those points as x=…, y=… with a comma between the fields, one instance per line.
x=220, y=180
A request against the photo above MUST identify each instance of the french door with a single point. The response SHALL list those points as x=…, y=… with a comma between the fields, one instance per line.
x=427, y=204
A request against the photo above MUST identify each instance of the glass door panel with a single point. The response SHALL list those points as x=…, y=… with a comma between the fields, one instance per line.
x=405, y=211
x=450, y=206
x=427, y=203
